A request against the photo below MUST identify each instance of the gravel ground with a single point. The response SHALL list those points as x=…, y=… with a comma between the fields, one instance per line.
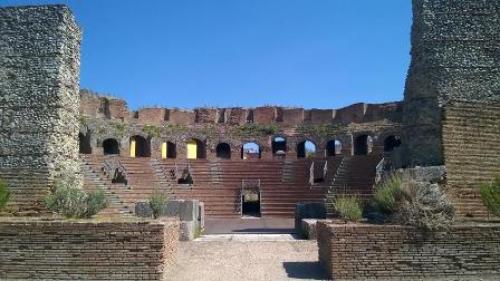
x=247, y=259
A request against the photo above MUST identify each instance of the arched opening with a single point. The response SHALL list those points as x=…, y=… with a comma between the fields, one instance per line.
x=278, y=146
x=223, y=151
x=195, y=149
x=171, y=150
x=250, y=150
x=84, y=143
x=391, y=142
x=110, y=147
x=168, y=150
x=306, y=149
x=363, y=145
x=333, y=147
x=139, y=147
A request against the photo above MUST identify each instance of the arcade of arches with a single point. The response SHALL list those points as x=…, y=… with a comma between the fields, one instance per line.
x=196, y=149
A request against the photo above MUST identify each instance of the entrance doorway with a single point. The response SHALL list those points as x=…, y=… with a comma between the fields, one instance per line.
x=250, y=198
x=250, y=202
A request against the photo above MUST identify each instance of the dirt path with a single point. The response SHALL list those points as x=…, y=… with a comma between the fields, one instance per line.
x=243, y=258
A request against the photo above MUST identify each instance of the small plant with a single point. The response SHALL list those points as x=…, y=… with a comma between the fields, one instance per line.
x=151, y=130
x=4, y=195
x=120, y=128
x=490, y=194
x=73, y=202
x=252, y=129
x=349, y=208
x=157, y=202
x=388, y=193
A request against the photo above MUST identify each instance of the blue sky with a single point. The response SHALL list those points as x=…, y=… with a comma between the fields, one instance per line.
x=190, y=53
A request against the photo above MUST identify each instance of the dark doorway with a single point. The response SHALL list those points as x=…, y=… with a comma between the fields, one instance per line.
x=391, y=142
x=223, y=151
x=361, y=145
x=84, y=143
x=142, y=147
x=110, y=147
x=250, y=204
x=306, y=149
x=171, y=150
x=333, y=147
x=250, y=150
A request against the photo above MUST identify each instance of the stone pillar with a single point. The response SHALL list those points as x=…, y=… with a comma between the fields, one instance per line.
x=39, y=101
x=455, y=47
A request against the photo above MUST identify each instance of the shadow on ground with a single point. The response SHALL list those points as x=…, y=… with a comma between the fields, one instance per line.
x=305, y=270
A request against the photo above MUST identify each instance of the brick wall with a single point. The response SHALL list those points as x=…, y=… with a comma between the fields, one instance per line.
x=86, y=250
x=353, y=251
x=471, y=132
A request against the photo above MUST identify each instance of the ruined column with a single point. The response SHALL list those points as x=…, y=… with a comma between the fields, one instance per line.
x=455, y=56
x=39, y=101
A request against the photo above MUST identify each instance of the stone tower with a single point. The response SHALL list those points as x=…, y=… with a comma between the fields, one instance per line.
x=455, y=57
x=39, y=101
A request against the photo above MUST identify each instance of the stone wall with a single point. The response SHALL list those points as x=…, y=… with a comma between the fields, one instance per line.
x=363, y=252
x=39, y=101
x=471, y=134
x=86, y=250
x=455, y=47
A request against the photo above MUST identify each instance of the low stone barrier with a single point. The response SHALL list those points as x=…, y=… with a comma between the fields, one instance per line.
x=360, y=251
x=33, y=249
x=190, y=213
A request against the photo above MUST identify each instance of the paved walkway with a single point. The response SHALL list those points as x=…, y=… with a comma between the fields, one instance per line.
x=243, y=257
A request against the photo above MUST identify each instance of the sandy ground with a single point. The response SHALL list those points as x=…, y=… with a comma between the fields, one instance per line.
x=237, y=257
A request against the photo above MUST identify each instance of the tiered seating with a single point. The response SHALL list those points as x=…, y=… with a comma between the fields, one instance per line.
x=356, y=175
x=142, y=181
x=220, y=199
x=218, y=183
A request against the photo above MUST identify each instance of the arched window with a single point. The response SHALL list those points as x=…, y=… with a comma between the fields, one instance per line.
x=168, y=150
x=139, y=147
x=306, y=149
x=363, y=145
x=391, y=142
x=278, y=146
x=333, y=147
x=223, y=150
x=110, y=147
x=195, y=149
x=84, y=143
x=250, y=150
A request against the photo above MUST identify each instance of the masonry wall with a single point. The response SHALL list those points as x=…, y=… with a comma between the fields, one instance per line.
x=86, y=250
x=455, y=47
x=395, y=252
x=471, y=135
x=39, y=101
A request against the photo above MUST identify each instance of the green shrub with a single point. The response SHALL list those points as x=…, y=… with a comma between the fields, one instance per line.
x=157, y=202
x=388, y=193
x=490, y=193
x=349, y=208
x=73, y=202
x=4, y=195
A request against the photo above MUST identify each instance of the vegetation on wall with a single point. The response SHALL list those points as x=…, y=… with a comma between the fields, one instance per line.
x=73, y=202
x=4, y=195
x=170, y=129
x=323, y=130
x=252, y=129
x=120, y=129
x=490, y=194
x=152, y=131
